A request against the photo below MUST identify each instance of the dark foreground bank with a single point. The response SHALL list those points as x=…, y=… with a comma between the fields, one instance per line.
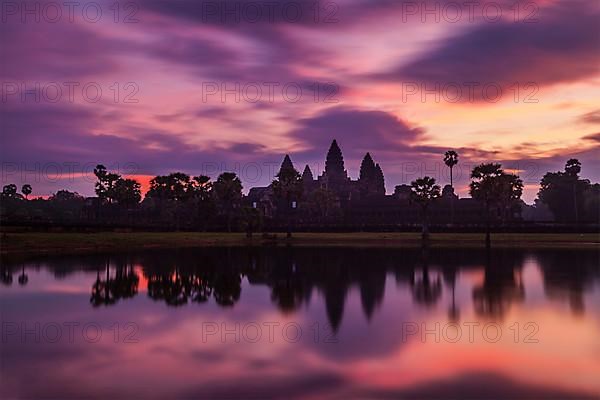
x=36, y=242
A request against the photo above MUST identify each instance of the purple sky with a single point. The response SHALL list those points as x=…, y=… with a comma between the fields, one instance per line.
x=204, y=87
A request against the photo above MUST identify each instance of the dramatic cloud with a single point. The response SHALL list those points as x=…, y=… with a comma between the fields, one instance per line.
x=359, y=130
x=562, y=46
x=364, y=47
x=592, y=117
x=55, y=52
x=593, y=137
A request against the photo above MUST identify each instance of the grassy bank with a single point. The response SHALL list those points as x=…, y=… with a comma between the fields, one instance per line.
x=64, y=243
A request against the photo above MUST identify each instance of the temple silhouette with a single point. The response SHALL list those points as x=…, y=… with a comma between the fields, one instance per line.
x=333, y=198
x=301, y=201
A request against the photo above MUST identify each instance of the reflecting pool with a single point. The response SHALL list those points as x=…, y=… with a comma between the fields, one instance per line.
x=303, y=322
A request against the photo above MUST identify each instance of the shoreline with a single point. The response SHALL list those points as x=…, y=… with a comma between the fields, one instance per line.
x=77, y=243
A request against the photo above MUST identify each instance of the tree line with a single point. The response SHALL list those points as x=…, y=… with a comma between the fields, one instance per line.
x=183, y=200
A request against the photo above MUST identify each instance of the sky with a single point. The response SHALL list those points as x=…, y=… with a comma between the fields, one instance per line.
x=153, y=87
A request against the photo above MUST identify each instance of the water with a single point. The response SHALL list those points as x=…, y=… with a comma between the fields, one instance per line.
x=317, y=323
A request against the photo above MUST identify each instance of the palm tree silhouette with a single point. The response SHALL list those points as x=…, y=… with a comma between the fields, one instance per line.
x=451, y=159
x=26, y=190
x=426, y=291
x=496, y=189
x=423, y=192
x=572, y=169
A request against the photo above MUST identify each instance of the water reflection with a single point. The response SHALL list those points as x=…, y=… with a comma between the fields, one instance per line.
x=122, y=285
x=363, y=295
x=196, y=276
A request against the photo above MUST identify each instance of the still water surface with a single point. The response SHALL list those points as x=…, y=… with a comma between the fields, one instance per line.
x=303, y=322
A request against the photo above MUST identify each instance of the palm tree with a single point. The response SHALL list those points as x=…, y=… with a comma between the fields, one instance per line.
x=451, y=159
x=105, y=185
x=424, y=191
x=572, y=169
x=26, y=190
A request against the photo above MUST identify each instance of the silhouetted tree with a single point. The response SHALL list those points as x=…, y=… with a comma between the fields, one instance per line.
x=451, y=159
x=65, y=196
x=105, y=185
x=572, y=169
x=228, y=193
x=127, y=192
x=566, y=194
x=10, y=191
x=171, y=192
x=65, y=205
x=201, y=190
x=26, y=190
x=170, y=187
x=496, y=189
x=423, y=192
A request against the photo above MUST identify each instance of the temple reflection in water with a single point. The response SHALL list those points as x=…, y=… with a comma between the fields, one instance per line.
x=189, y=276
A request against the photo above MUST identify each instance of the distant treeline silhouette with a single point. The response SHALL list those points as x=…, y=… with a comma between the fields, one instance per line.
x=297, y=201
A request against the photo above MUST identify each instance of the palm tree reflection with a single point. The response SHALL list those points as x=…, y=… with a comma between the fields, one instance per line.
x=426, y=291
x=108, y=291
x=502, y=285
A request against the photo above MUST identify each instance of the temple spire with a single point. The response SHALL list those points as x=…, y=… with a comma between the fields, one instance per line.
x=371, y=177
x=307, y=174
x=286, y=164
x=379, y=180
x=367, y=168
x=334, y=164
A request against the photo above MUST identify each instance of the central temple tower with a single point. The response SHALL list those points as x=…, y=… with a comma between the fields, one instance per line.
x=334, y=164
x=335, y=177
